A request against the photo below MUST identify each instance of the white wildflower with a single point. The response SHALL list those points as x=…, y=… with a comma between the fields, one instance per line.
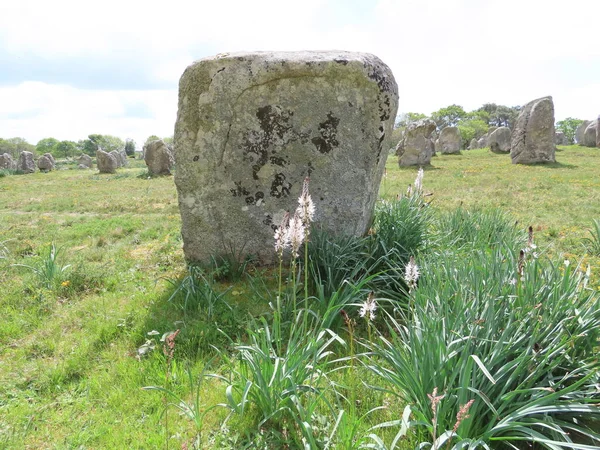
x=368, y=308
x=567, y=263
x=281, y=235
x=295, y=234
x=513, y=281
x=411, y=273
x=306, y=207
x=419, y=181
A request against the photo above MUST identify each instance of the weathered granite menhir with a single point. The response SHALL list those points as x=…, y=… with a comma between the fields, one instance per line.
x=532, y=139
x=251, y=126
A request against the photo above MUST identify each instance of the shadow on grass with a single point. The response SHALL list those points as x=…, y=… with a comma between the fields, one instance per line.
x=554, y=165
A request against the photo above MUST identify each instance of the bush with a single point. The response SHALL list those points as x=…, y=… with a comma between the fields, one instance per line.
x=520, y=346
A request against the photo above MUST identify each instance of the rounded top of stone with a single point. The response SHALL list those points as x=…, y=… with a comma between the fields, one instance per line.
x=311, y=63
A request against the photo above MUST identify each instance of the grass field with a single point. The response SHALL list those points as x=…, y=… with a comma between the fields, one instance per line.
x=70, y=368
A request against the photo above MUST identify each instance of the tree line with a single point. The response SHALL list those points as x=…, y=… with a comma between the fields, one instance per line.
x=475, y=124
x=71, y=149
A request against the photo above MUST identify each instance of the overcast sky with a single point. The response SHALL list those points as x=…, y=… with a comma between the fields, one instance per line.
x=69, y=68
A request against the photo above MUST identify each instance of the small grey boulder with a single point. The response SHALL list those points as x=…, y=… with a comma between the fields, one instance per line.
x=85, y=160
x=7, y=162
x=580, y=132
x=532, y=139
x=46, y=163
x=449, y=141
x=416, y=146
x=107, y=162
x=590, y=135
x=499, y=140
x=26, y=163
x=158, y=158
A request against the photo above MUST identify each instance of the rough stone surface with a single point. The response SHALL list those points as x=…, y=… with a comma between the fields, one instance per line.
x=580, y=132
x=7, y=161
x=532, y=139
x=158, y=158
x=499, y=140
x=106, y=162
x=449, y=141
x=416, y=146
x=482, y=142
x=598, y=132
x=474, y=144
x=82, y=166
x=26, y=163
x=46, y=162
x=85, y=160
x=251, y=126
x=590, y=135
x=121, y=160
x=560, y=138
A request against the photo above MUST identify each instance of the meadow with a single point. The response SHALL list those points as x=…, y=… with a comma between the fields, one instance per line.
x=493, y=344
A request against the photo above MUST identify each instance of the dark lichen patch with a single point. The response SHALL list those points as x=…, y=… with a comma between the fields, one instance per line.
x=257, y=146
x=328, y=131
x=196, y=158
x=278, y=161
x=341, y=61
x=280, y=187
x=269, y=220
x=239, y=190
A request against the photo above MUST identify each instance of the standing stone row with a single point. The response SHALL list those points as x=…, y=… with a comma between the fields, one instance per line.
x=588, y=133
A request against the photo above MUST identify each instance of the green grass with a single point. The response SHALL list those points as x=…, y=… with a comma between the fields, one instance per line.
x=70, y=375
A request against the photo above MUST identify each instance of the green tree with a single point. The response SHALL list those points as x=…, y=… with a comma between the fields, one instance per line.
x=448, y=116
x=14, y=146
x=472, y=128
x=568, y=127
x=130, y=147
x=168, y=140
x=46, y=145
x=404, y=120
x=500, y=115
x=65, y=149
x=106, y=142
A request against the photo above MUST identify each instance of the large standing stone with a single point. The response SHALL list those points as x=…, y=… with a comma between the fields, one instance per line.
x=106, y=162
x=474, y=144
x=589, y=137
x=533, y=136
x=482, y=142
x=85, y=161
x=158, y=157
x=416, y=146
x=560, y=138
x=7, y=161
x=46, y=162
x=251, y=126
x=449, y=141
x=26, y=163
x=580, y=132
x=499, y=140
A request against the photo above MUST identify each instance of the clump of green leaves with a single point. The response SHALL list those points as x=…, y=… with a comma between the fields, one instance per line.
x=49, y=271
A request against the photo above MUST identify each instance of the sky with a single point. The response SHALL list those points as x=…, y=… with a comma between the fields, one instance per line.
x=73, y=68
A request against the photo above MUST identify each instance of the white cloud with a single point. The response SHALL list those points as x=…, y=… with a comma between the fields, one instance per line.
x=441, y=52
x=67, y=113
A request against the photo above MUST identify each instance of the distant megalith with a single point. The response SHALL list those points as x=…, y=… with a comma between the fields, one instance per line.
x=474, y=144
x=158, y=158
x=449, y=141
x=598, y=132
x=85, y=161
x=120, y=157
x=251, y=126
x=106, y=162
x=7, y=161
x=560, y=138
x=46, y=162
x=580, y=131
x=499, y=140
x=26, y=163
x=532, y=139
x=590, y=135
x=416, y=147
